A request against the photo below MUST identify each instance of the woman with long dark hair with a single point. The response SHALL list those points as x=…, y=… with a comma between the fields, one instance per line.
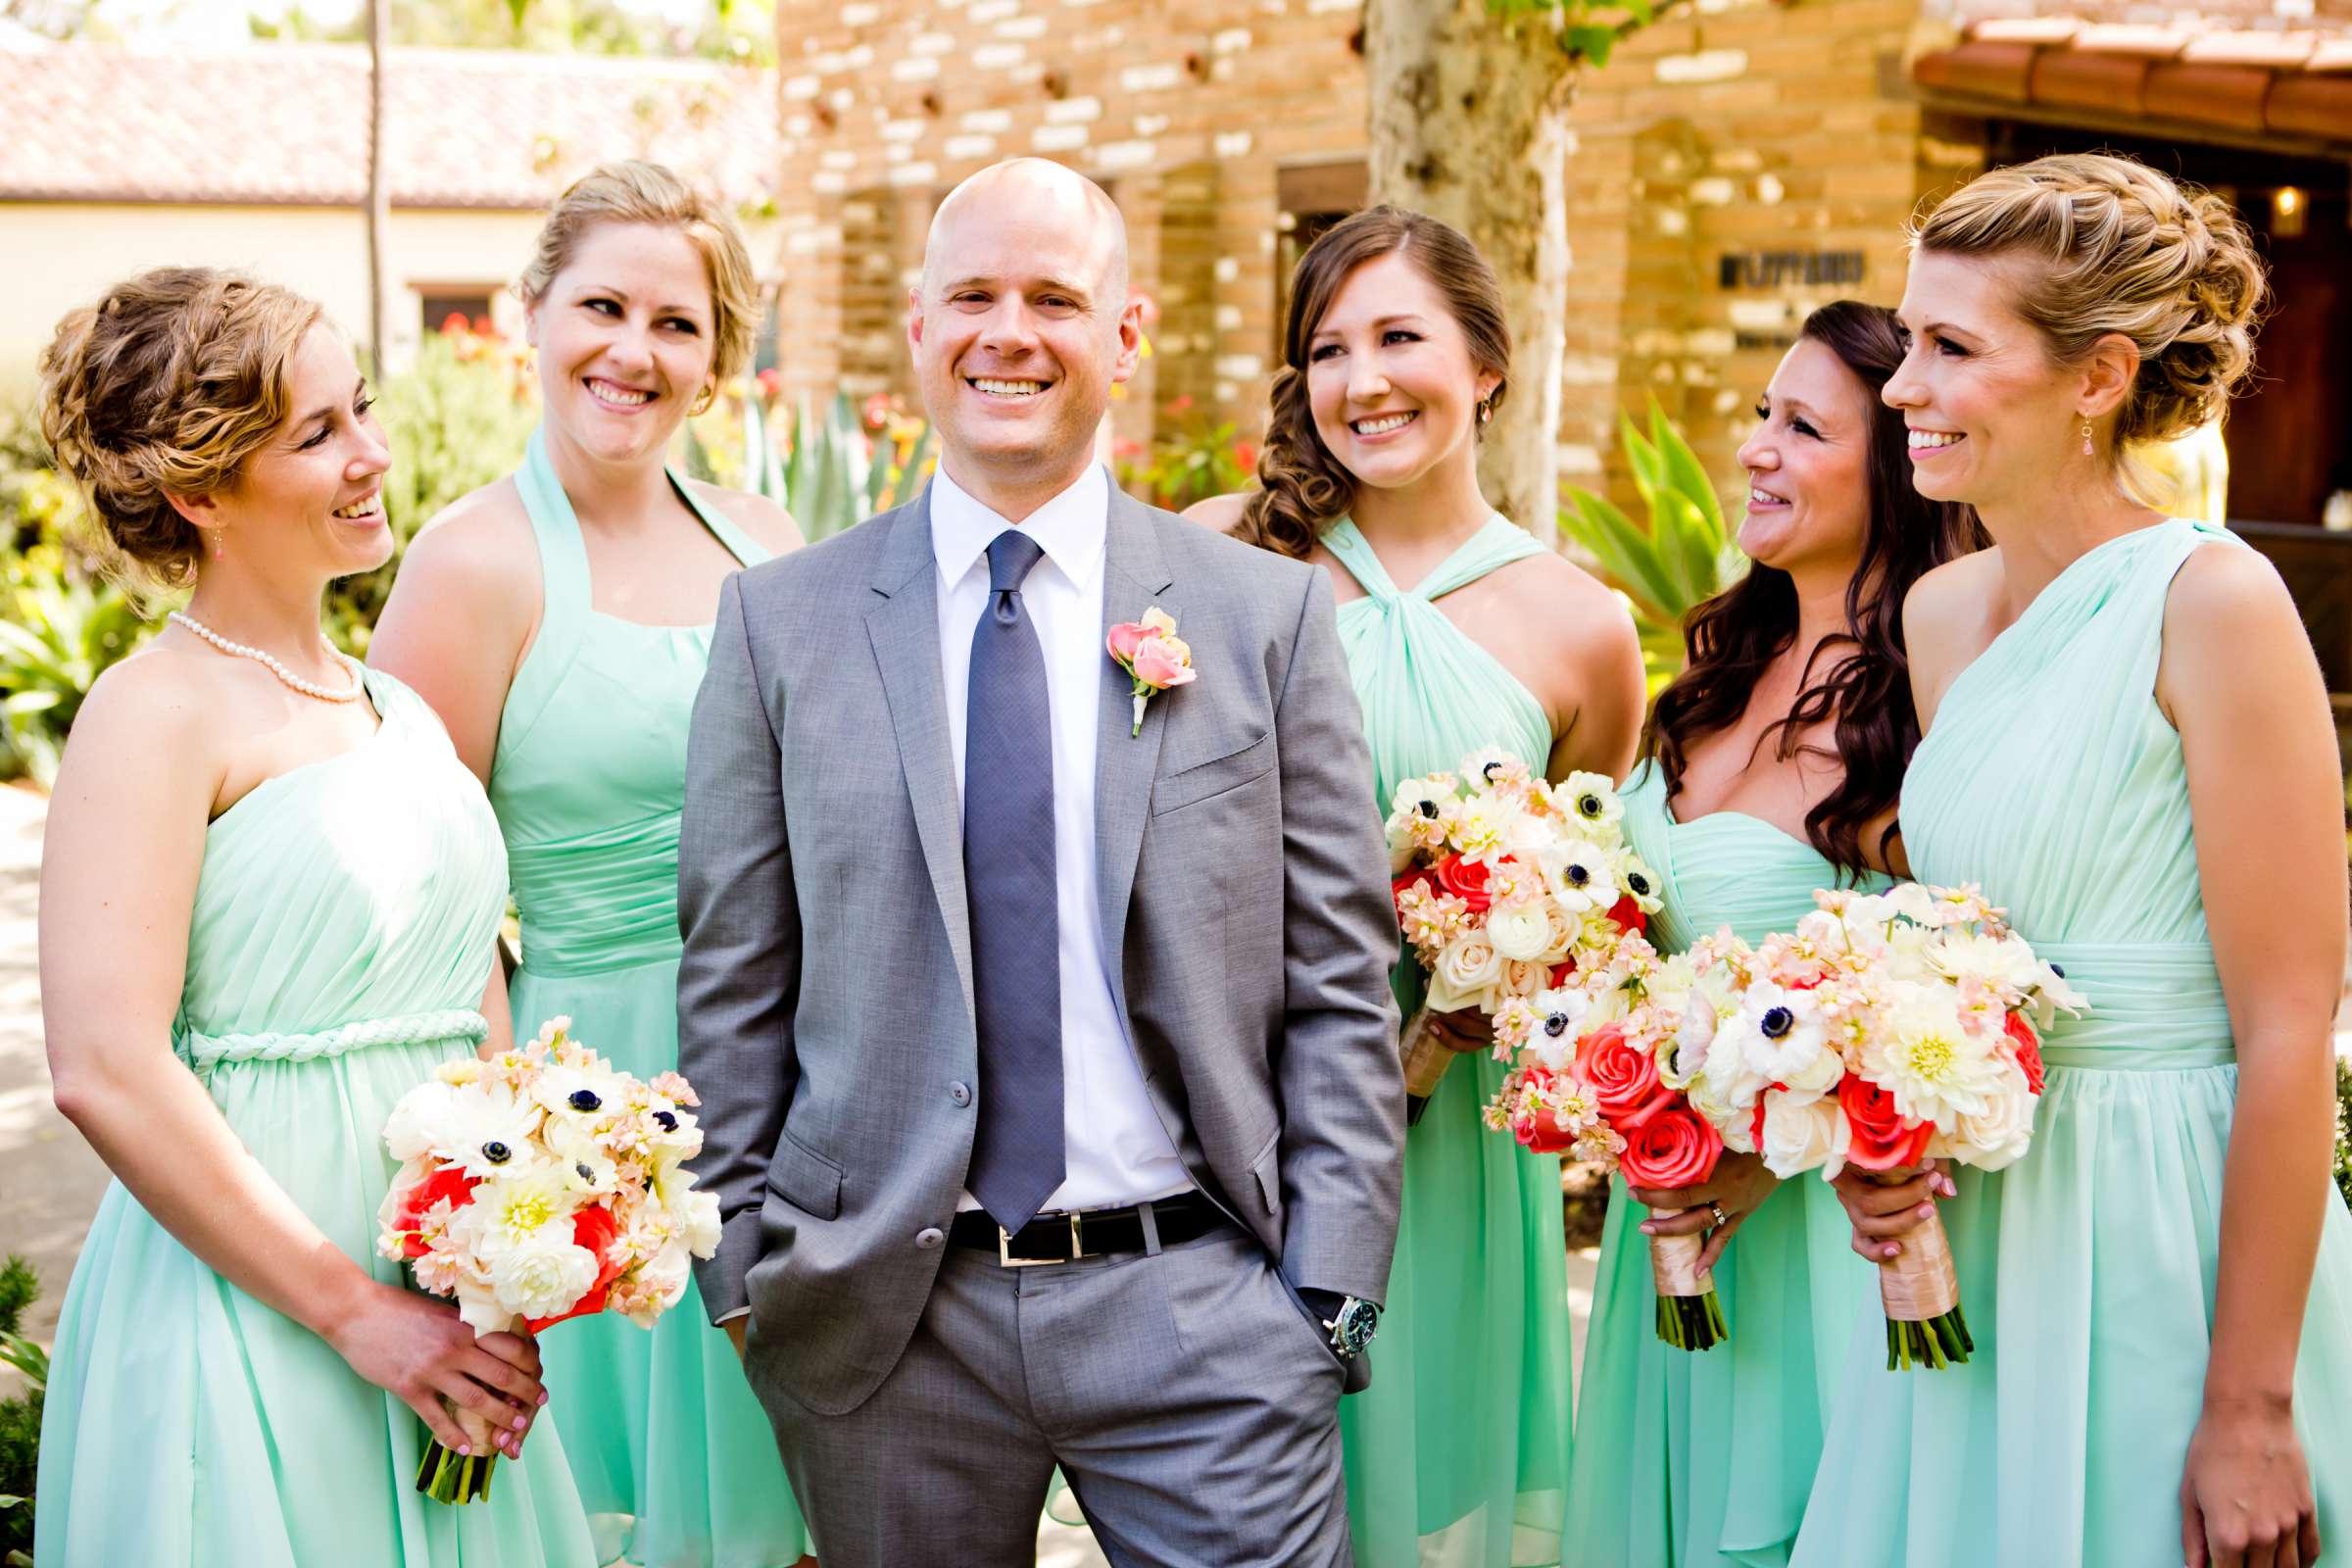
x=1773, y=765
x=1461, y=632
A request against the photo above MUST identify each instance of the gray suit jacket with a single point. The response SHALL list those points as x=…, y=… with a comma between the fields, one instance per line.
x=825, y=996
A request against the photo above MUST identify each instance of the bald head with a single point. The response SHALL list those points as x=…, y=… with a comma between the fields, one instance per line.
x=1034, y=194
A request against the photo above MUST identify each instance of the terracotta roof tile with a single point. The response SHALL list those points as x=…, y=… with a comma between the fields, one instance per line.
x=288, y=124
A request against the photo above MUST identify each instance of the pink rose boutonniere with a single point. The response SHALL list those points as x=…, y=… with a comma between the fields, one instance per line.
x=1150, y=651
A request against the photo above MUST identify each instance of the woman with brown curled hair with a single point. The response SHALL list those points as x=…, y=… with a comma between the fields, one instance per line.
x=1462, y=633
x=269, y=893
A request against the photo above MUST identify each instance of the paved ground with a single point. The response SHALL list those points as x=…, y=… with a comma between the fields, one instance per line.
x=50, y=1180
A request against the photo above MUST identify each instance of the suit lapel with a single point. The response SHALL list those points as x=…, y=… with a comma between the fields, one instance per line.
x=904, y=627
x=1135, y=577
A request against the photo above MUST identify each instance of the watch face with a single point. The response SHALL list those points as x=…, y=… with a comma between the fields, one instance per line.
x=1354, y=1328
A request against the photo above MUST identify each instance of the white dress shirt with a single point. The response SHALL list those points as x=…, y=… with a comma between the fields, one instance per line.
x=1115, y=1151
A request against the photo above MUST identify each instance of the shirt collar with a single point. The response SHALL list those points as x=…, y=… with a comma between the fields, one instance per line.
x=1071, y=528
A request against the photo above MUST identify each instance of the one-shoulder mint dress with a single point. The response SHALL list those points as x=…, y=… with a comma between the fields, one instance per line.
x=1457, y=1454
x=1702, y=1459
x=675, y=1460
x=337, y=948
x=2051, y=778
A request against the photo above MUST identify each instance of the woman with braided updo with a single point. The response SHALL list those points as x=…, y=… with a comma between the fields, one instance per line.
x=2127, y=744
x=268, y=897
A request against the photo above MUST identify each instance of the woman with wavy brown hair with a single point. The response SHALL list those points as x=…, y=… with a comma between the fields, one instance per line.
x=1461, y=632
x=1774, y=763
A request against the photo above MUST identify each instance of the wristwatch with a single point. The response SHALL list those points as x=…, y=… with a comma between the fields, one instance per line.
x=1353, y=1322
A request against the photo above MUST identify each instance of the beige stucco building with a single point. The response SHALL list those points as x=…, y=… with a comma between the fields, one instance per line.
x=120, y=159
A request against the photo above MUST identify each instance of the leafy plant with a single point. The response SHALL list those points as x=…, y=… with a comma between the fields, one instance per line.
x=1682, y=559
x=831, y=470
x=2343, y=1127
x=61, y=625
x=20, y=1416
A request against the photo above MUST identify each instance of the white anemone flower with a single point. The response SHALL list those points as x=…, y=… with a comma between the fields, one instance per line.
x=1589, y=799
x=490, y=1131
x=1581, y=875
x=1560, y=1015
x=1784, y=1040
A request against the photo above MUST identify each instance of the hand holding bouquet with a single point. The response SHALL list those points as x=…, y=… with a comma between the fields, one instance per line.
x=540, y=1185
x=1504, y=885
x=1594, y=1077
x=1886, y=1030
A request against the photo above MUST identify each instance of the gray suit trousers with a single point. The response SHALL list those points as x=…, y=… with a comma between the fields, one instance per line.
x=1190, y=1400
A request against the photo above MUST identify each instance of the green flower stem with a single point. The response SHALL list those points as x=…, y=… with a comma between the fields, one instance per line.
x=453, y=1478
x=1939, y=1341
x=1691, y=1322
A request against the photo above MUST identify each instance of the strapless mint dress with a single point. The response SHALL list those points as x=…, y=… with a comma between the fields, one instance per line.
x=1457, y=1454
x=337, y=950
x=1682, y=1458
x=675, y=1460
x=2052, y=778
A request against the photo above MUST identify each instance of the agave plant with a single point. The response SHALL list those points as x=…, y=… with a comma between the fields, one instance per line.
x=1682, y=559
x=829, y=474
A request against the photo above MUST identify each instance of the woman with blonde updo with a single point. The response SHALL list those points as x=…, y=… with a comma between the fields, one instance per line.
x=1462, y=633
x=2128, y=745
x=560, y=621
x=269, y=898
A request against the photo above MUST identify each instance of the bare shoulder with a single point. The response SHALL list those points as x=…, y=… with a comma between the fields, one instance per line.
x=2223, y=590
x=1576, y=616
x=164, y=700
x=483, y=538
x=1948, y=599
x=771, y=526
x=1220, y=512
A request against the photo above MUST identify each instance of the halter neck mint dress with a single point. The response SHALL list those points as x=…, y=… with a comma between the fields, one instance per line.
x=675, y=1460
x=2051, y=777
x=1458, y=1453
x=1704, y=1459
x=337, y=948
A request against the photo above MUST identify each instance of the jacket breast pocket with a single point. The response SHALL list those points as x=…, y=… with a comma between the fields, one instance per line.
x=808, y=1180
x=1219, y=775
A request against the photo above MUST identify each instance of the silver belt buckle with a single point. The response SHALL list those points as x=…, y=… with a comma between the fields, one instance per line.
x=1006, y=1259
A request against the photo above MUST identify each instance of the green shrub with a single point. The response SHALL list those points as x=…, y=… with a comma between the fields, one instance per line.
x=1191, y=459
x=19, y=1417
x=1682, y=559
x=2343, y=1127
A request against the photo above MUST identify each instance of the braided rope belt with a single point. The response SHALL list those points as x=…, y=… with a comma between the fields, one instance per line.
x=205, y=1051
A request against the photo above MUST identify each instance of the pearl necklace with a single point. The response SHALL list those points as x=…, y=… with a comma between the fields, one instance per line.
x=306, y=688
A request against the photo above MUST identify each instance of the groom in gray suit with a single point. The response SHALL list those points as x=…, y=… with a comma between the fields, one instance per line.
x=1048, y=1064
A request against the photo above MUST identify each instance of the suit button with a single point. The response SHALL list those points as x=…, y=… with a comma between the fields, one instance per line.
x=929, y=1236
x=960, y=1094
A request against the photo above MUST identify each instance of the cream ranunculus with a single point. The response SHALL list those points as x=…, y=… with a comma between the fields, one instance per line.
x=1465, y=971
x=1521, y=931
x=1799, y=1135
x=1999, y=1135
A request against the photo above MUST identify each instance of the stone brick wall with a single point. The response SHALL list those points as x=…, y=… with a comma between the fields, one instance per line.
x=1733, y=167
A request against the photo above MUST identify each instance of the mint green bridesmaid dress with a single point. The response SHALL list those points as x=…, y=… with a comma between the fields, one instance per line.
x=1686, y=1458
x=1457, y=1454
x=674, y=1458
x=337, y=950
x=2052, y=778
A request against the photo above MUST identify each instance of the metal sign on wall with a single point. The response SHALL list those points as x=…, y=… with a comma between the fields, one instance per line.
x=1786, y=268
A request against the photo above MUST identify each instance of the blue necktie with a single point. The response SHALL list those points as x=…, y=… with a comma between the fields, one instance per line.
x=1009, y=881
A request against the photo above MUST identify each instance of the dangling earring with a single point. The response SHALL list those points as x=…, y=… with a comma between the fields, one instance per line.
x=1486, y=408
x=2087, y=449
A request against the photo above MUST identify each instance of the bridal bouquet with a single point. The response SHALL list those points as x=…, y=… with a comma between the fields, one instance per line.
x=541, y=1185
x=1886, y=1029
x=1594, y=1077
x=1506, y=885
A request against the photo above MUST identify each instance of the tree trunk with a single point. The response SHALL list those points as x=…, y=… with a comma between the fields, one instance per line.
x=1470, y=125
x=380, y=190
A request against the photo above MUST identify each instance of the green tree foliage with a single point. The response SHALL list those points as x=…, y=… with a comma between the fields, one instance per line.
x=739, y=30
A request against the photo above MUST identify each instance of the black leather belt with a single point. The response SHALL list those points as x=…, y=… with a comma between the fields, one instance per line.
x=1059, y=1238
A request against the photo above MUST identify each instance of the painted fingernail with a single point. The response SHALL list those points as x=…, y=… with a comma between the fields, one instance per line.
x=520, y=1423
x=1927, y=1212
x=1891, y=1250
x=464, y=1450
x=542, y=1396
